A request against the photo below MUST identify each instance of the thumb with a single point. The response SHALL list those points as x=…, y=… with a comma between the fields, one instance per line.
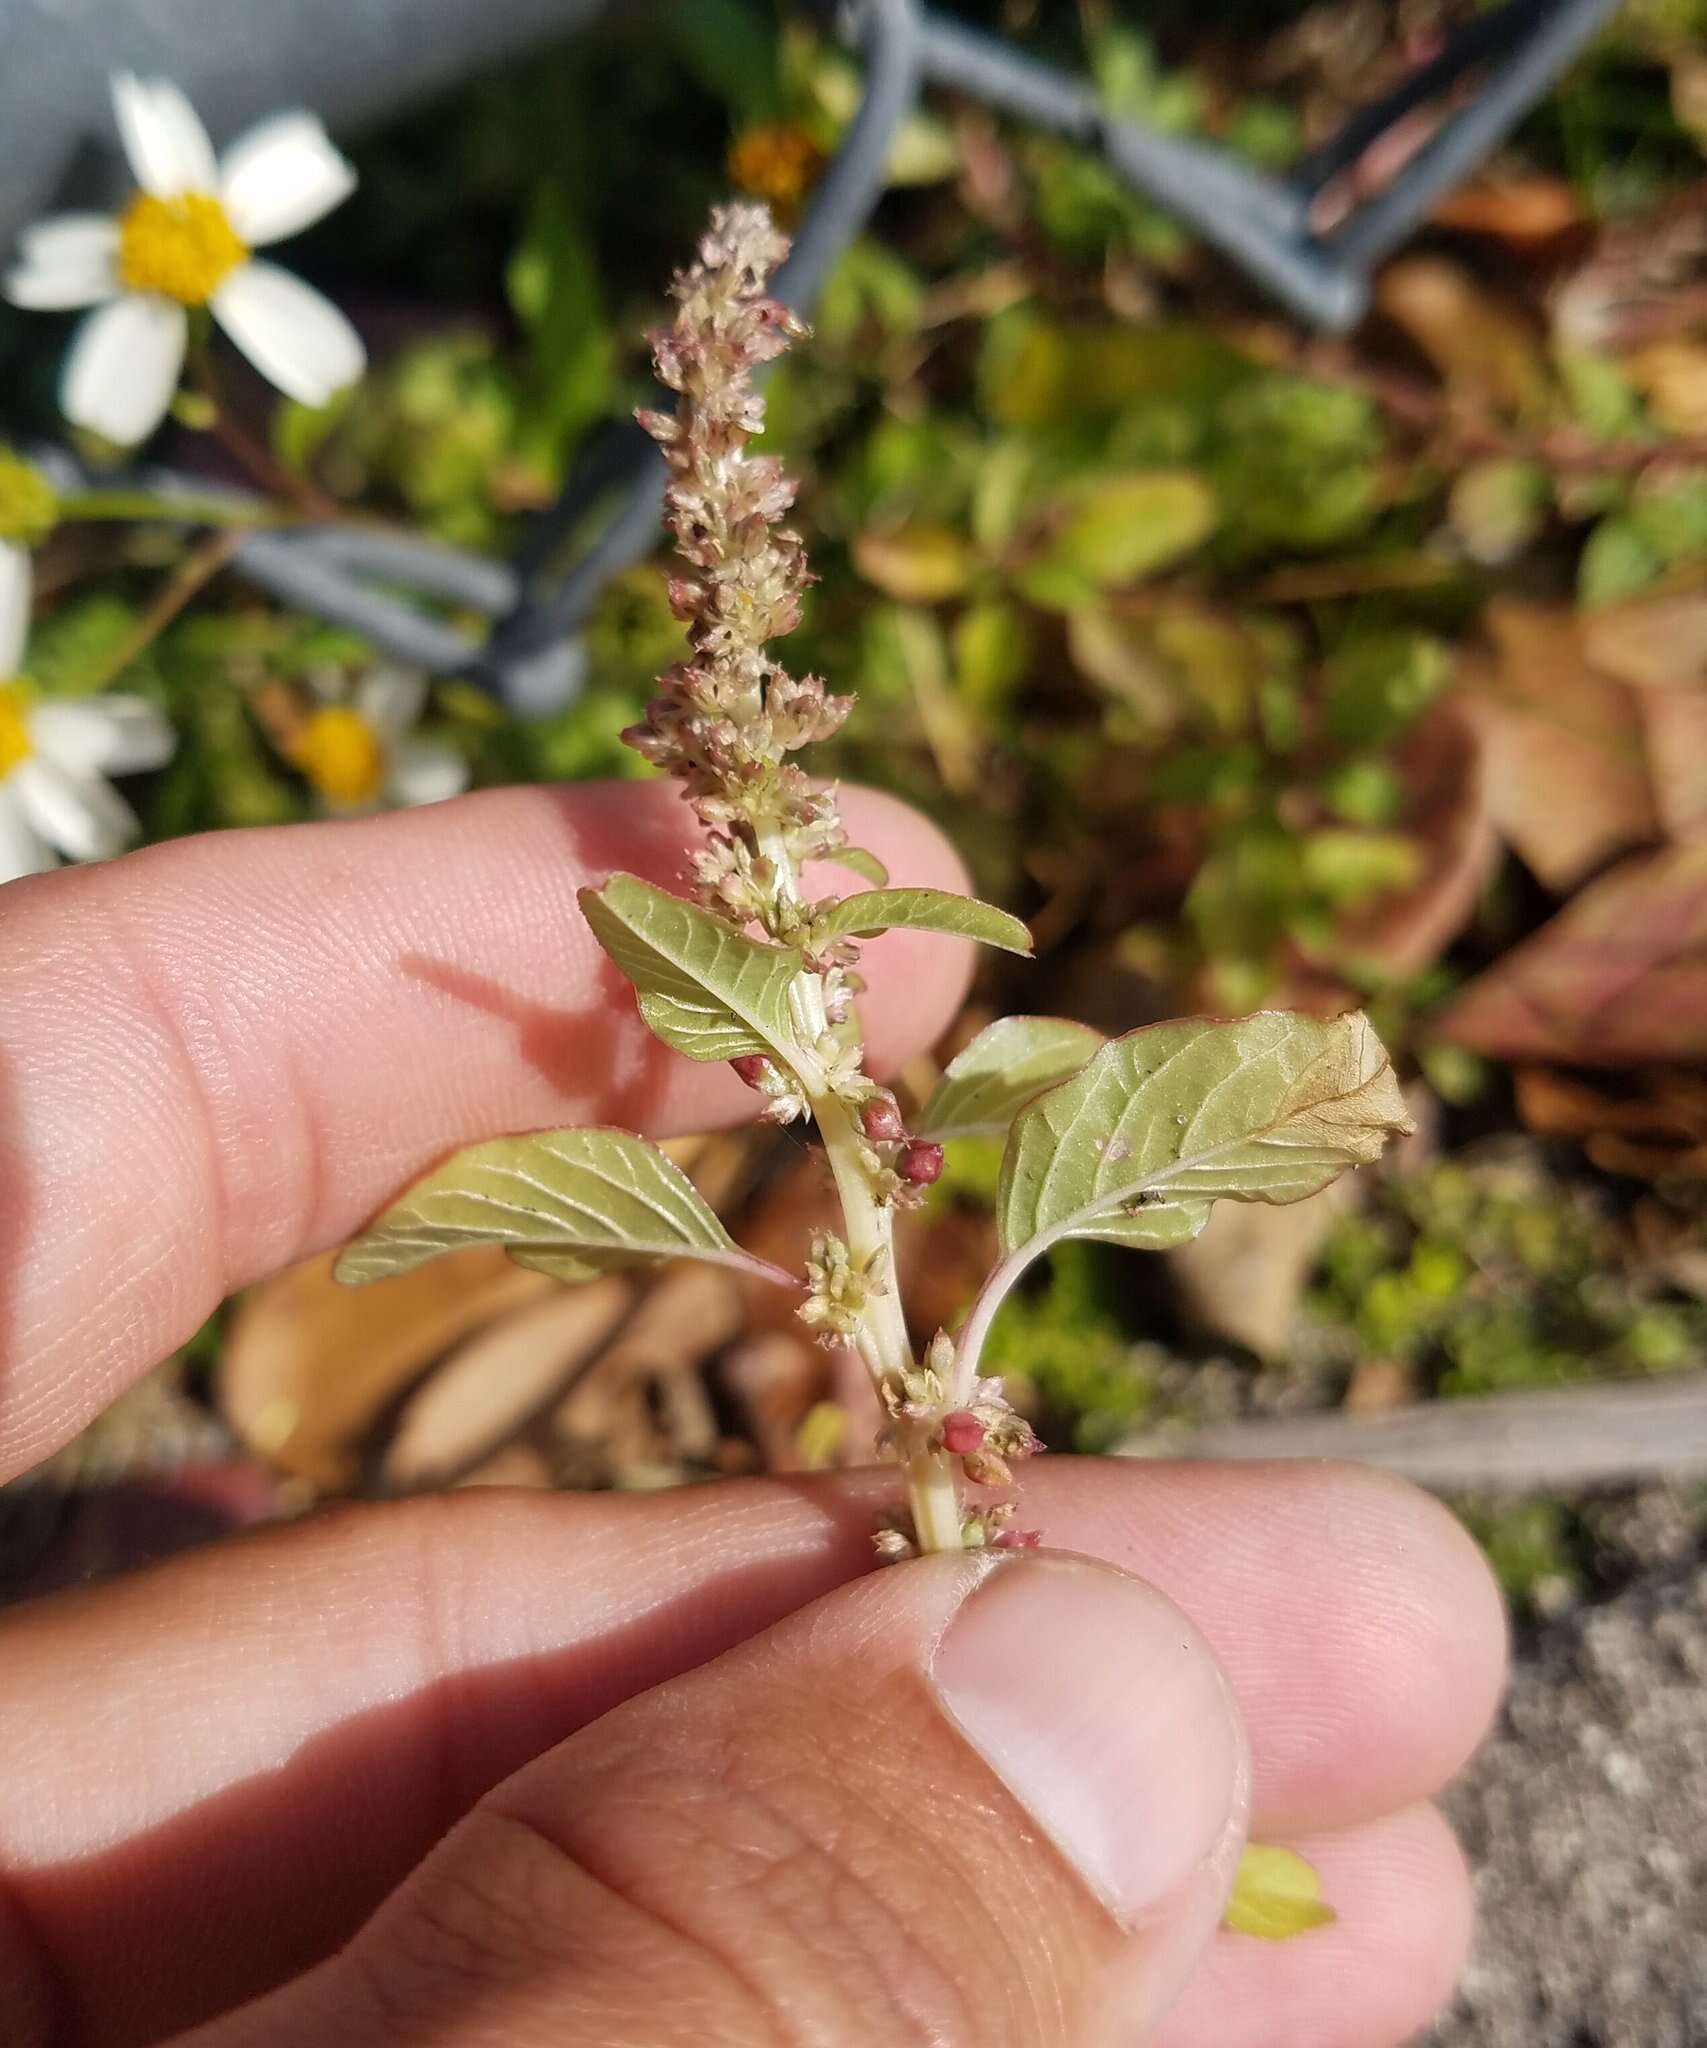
x=976, y=1802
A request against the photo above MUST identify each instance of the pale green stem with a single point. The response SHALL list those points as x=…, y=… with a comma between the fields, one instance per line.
x=882, y=1340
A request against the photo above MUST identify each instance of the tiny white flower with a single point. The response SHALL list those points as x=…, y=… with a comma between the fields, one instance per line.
x=186, y=240
x=56, y=753
x=359, y=752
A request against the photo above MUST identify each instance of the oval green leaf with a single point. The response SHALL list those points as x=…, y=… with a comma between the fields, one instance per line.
x=570, y=1203
x=1135, y=1147
x=985, y=1086
x=925, y=910
x=1276, y=1895
x=706, y=989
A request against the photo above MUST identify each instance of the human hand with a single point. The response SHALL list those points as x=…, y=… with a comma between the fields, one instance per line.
x=506, y=1769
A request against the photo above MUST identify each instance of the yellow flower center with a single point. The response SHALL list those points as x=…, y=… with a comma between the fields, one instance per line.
x=28, y=507
x=15, y=746
x=341, y=755
x=183, y=248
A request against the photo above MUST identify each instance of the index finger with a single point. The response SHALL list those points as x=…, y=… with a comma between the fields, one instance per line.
x=222, y=1054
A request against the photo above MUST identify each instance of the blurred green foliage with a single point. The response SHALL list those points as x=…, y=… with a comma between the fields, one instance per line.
x=1488, y=1275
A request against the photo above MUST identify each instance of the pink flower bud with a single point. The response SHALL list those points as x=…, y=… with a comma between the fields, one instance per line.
x=1017, y=1539
x=962, y=1433
x=880, y=1120
x=921, y=1163
x=754, y=1068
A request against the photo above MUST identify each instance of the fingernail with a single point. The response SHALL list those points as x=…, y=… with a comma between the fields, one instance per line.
x=1101, y=1709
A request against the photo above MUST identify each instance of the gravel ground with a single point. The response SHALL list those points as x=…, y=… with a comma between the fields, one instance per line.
x=1585, y=1819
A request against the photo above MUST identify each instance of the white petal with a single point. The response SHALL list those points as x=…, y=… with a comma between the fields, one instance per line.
x=123, y=368
x=102, y=735
x=424, y=772
x=163, y=137
x=297, y=339
x=282, y=177
x=83, y=816
x=23, y=851
x=66, y=261
x=14, y=608
x=391, y=699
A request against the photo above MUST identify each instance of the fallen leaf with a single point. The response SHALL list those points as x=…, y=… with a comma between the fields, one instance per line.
x=514, y=1465
x=1618, y=978
x=1674, y=726
x=778, y=1379
x=496, y=1380
x=1654, y=1126
x=1566, y=774
x=1656, y=643
x=1480, y=347
x=1379, y=1385
x=1243, y=1276
x=309, y=1366
x=1525, y=212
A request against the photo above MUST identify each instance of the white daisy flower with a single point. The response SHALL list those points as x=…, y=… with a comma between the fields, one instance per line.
x=56, y=753
x=185, y=240
x=359, y=753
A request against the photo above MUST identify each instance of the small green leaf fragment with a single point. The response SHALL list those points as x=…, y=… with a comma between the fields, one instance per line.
x=985, y=1086
x=704, y=988
x=569, y=1203
x=859, y=862
x=1276, y=1896
x=925, y=910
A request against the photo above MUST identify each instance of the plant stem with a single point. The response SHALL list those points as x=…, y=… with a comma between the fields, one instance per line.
x=932, y=1492
x=197, y=569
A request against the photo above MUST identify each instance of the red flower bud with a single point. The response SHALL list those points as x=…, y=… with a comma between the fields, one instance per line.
x=880, y=1119
x=962, y=1433
x=754, y=1068
x=921, y=1163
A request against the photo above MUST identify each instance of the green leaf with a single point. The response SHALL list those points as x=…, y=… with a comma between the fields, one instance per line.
x=923, y=910
x=986, y=1086
x=1163, y=1122
x=917, y=564
x=711, y=992
x=858, y=862
x=569, y=1203
x=1276, y=1895
x=1119, y=529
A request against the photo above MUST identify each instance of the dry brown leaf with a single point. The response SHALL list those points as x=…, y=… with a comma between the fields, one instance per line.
x=1618, y=978
x=514, y=1465
x=494, y=1382
x=1672, y=376
x=1526, y=212
x=1656, y=643
x=1379, y=1385
x=1654, y=1127
x=1243, y=1275
x=689, y=1314
x=1674, y=725
x=778, y=1379
x=1566, y=772
x=309, y=1366
x=1481, y=348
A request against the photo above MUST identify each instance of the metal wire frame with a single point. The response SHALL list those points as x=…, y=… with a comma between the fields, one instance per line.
x=391, y=588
